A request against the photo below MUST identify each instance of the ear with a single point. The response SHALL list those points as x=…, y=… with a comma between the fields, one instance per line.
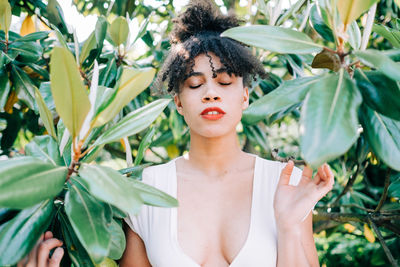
x=245, y=98
x=178, y=104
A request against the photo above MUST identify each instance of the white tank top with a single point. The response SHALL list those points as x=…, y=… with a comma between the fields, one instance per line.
x=157, y=226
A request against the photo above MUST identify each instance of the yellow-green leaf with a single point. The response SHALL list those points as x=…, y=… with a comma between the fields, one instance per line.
x=70, y=98
x=369, y=235
x=89, y=44
x=119, y=30
x=133, y=82
x=5, y=16
x=350, y=10
x=45, y=114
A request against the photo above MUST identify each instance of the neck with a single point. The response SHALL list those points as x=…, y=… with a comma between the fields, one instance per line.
x=214, y=156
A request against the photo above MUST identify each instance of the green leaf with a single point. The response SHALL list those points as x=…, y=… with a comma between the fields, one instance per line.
x=24, y=86
x=388, y=33
x=135, y=171
x=72, y=102
x=89, y=44
x=394, y=188
x=76, y=252
x=93, y=233
x=134, y=122
x=274, y=39
x=319, y=25
x=33, y=37
x=45, y=148
x=383, y=99
x=132, y=83
x=18, y=236
x=45, y=114
x=101, y=31
x=119, y=30
x=26, y=181
x=144, y=144
x=328, y=124
x=5, y=89
x=326, y=60
x=286, y=95
x=376, y=59
x=383, y=134
x=151, y=195
x=354, y=35
x=27, y=51
x=5, y=16
x=118, y=242
x=111, y=187
x=350, y=10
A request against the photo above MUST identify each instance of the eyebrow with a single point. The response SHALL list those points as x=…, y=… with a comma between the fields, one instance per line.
x=218, y=71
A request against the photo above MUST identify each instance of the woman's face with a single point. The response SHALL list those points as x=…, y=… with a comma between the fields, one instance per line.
x=211, y=107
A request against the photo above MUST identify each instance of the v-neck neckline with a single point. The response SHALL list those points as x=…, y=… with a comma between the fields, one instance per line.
x=174, y=215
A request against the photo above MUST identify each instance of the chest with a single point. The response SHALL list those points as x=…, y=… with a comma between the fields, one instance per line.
x=213, y=219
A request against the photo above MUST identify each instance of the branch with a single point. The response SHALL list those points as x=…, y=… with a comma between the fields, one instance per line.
x=385, y=190
x=274, y=155
x=354, y=217
x=384, y=245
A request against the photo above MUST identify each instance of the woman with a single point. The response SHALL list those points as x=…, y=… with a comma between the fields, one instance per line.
x=236, y=209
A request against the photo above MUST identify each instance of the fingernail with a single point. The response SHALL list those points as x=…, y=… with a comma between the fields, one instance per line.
x=58, y=253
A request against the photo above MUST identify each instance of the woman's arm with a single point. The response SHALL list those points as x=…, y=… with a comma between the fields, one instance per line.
x=135, y=251
x=296, y=245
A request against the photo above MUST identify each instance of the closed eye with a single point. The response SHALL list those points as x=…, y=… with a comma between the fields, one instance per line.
x=225, y=83
x=194, y=86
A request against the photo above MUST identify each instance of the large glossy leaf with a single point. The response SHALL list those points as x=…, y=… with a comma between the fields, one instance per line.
x=45, y=148
x=89, y=44
x=45, y=114
x=72, y=102
x=354, y=35
x=111, y=187
x=33, y=37
x=119, y=30
x=350, y=10
x=132, y=83
x=118, y=242
x=384, y=99
x=329, y=118
x=5, y=89
x=93, y=233
x=26, y=181
x=274, y=39
x=18, y=236
x=287, y=94
x=134, y=122
x=378, y=60
x=5, y=15
x=151, y=195
x=26, y=51
x=76, y=252
x=383, y=134
x=389, y=34
x=24, y=86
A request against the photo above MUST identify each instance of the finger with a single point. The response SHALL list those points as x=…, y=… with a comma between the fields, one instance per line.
x=56, y=258
x=31, y=259
x=48, y=235
x=321, y=173
x=306, y=175
x=44, y=250
x=329, y=174
x=286, y=172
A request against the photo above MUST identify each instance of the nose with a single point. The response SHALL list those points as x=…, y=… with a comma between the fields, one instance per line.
x=210, y=95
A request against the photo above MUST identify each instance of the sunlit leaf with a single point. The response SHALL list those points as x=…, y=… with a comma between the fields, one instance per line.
x=45, y=114
x=28, y=26
x=274, y=39
x=350, y=10
x=72, y=102
x=119, y=30
x=5, y=15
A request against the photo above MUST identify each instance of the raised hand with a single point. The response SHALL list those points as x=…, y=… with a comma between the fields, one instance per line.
x=293, y=203
x=39, y=256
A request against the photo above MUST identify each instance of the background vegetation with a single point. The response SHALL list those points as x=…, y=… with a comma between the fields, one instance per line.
x=332, y=95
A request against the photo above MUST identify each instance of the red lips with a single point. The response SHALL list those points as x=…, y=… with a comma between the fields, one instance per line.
x=212, y=116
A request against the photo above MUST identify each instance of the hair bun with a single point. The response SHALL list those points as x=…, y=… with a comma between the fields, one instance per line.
x=200, y=16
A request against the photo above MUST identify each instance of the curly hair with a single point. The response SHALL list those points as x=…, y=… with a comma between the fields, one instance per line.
x=197, y=31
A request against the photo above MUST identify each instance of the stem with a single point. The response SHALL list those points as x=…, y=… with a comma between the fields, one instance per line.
x=385, y=191
x=384, y=245
x=274, y=154
x=349, y=184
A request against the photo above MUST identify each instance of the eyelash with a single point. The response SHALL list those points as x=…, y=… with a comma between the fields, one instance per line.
x=197, y=86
